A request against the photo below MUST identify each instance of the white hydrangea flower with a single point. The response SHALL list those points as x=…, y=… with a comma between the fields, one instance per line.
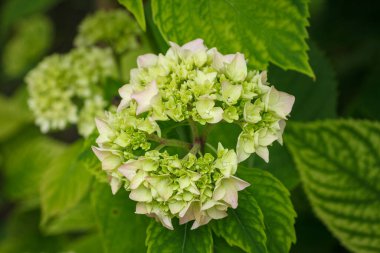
x=194, y=83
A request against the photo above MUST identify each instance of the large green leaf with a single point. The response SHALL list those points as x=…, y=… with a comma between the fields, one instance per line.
x=280, y=165
x=13, y=116
x=339, y=163
x=121, y=230
x=315, y=99
x=274, y=201
x=77, y=219
x=86, y=244
x=137, y=9
x=21, y=234
x=244, y=227
x=13, y=10
x=264, y=219
x=26, y=158
x=265, y=31
x=221, y=246
x=64, y=184
x=181, y=239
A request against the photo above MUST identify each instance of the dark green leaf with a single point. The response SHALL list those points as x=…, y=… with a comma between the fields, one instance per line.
x=13, y=10
x=22, y=235
x=64, y=184
x=265, y=31
x=26, y=158
x=243, y=227
x=221, y=246
x=121, y=230
x=13, y=115
x=137, y=9
x=181, y=239
x=315, y=99
x=274, y=201
x=78, y=219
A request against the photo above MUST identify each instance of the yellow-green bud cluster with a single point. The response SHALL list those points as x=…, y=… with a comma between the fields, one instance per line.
x=115, y=29
x=201, y=85
x=67, y=89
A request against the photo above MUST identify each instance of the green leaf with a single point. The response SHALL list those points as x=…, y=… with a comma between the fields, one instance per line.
x=26, y=158
x=85, y=244
x=339, y=162
x=161, y=240
x=137, y=9
x=315, y=99
x=21, y=234
x=14, y=10
x=280, y=165
x=13, y=116
x=265, y=31
x=64, y=184
x=77, y=219
x=274, y=201
x=244, y=226
x=221, y=246
x=264, y=219
x=121, y=230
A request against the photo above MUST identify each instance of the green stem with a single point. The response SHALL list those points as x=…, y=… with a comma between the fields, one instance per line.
x=194, y=131
x=211, y=147
x=169, y=142
x=196, y=147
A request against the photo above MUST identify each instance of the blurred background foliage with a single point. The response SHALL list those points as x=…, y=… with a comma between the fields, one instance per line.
x=345, y=56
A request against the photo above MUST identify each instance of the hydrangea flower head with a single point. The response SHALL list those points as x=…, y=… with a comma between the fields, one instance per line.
x=67, y=89
x=201, y=86
x=113, y=28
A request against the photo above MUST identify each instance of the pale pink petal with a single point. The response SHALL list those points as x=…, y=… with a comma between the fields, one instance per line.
x=141, y=208
x=166, y=222
x=239, y=183
x=216, y=214
x=228, y=58
x=219, y=192
x=144, y=97
x=263, y=152
x=217, y=115
x=115, y=185
x=208, y=204
x=282, y=125
x=231, y=197
x=195, y=45
x=202, y=221
x=141, y=194
x=103, y=127
x=99, y=153
x=147, y=60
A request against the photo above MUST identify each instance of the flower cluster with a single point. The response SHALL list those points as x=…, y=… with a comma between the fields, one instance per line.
x=194, y=82
x=202, y=86
x=67, y=89
x=115, y=29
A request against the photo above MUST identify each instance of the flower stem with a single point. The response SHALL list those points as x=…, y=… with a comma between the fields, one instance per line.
x=194, y=131
x=169, y=142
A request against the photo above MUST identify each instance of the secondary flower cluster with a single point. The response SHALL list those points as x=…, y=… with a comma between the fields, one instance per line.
x=67, y=89
x=115, y=29
x=199, y=85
